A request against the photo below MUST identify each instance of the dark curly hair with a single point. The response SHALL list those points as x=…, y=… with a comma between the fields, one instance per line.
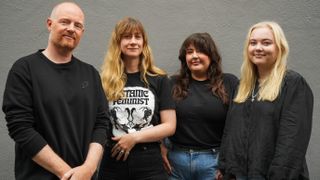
x=205, y=44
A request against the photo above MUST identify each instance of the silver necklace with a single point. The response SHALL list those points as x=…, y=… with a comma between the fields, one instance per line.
x=253, y=96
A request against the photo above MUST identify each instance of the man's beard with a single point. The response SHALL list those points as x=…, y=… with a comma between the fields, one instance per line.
x=66, y=46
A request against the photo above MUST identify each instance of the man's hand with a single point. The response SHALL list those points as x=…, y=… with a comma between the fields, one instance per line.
x=82, y=172
x=49, y=160
x=88, y=168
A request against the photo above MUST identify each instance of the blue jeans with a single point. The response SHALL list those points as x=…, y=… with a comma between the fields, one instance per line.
x=193, y=164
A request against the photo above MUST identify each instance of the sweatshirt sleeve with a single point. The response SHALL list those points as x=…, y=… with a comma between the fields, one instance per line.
x=102, y=128
x=294, y=131
x=19, y=111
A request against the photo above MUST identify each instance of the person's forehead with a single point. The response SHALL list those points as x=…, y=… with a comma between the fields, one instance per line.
x=134, y=30
x=68, y=10
x=262, y=31
x=191, y=46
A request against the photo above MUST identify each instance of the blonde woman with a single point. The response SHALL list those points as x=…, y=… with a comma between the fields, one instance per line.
x=269, y=123
x=140, y=104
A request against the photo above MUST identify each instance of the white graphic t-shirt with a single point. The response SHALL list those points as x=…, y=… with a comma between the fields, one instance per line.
x=134, y=112
x=140, y=106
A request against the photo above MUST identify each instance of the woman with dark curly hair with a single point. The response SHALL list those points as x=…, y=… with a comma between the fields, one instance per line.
x=202, y=94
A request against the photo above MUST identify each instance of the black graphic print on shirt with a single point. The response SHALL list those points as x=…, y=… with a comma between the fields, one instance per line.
x=134, y=112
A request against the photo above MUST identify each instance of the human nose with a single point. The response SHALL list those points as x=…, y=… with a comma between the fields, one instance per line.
x=71, y=27
x=195, y=55
x=259, y=47
x=133, y=40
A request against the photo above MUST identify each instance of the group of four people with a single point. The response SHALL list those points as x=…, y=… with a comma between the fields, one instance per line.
x=65, y=117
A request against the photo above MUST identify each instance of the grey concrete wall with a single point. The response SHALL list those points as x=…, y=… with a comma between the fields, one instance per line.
x=168, y=23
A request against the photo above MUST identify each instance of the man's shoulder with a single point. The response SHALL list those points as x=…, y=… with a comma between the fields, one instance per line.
x=82, y=63
x=85, y=66
x=29, y=56
x=25, y=60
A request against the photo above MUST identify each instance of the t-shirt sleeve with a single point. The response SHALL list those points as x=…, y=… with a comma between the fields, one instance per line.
x=231, y=83
x=166, y=100
x=19, y=111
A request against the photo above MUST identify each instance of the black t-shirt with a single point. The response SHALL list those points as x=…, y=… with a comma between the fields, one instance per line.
x=201, y=115
x=141, y=106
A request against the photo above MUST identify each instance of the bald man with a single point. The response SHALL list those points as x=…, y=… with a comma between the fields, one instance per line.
x=55, y=106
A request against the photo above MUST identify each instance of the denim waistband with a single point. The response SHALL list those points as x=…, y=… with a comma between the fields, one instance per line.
x=177, y=147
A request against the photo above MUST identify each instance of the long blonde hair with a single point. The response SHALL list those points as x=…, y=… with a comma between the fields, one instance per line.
x=270, y=88
x=113, y=75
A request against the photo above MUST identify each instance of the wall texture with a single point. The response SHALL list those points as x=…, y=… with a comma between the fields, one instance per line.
x=168, y=23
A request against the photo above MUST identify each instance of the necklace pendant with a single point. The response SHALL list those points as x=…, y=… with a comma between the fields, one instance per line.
x=252, y=99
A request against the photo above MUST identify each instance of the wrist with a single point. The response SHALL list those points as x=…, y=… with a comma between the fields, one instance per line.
x=63, y=171
x=135, y=137
x=90, y=167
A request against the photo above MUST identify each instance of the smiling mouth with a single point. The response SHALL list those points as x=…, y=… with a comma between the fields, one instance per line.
x=68, y=37
x=195, y=63
x=259, y=55
x=133, y=50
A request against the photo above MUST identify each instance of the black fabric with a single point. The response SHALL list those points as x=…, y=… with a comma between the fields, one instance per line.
x=201, y=115
x=270, y=139
x=62, y=105
x=144, y=163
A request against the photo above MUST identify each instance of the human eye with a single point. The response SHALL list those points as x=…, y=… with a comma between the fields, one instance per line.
x=189, y=51
x=200, y=52
x=64, y=21
x=126, y=36
x=78, y=26
x=138, y=36
x=252, y=43
x=267, y=43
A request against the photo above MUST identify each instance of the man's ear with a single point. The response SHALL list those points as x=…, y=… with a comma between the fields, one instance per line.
x=49, y=24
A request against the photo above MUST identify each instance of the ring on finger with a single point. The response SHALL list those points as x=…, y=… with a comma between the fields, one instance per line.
x=121, y=152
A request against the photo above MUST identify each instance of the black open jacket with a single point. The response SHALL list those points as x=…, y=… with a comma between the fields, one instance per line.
x=269, y=139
